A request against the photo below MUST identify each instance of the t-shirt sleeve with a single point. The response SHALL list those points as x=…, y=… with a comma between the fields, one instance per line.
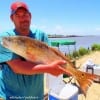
x=5, y=54
x=42, y=36
x=45, y=38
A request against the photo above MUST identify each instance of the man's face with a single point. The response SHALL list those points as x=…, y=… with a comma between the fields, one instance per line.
x=22, y=19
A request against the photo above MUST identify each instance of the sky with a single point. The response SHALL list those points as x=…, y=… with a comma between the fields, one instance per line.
x=62, y=17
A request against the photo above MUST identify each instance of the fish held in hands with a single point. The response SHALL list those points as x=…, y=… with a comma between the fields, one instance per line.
x=39, y=52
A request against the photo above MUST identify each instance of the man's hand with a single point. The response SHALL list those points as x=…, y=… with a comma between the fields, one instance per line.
x=54, y=68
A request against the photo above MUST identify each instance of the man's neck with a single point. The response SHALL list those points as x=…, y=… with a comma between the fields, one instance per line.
x=23, y=33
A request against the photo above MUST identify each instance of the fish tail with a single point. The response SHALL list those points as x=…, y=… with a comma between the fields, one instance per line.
x=85, y=80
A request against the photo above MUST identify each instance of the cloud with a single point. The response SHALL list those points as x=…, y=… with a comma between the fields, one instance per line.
x=66, y=30
x=59, y=29
x=97, y=29
x=43, y=27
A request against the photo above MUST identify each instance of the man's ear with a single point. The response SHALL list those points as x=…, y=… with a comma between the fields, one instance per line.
x=30, y=15
x=11, y=17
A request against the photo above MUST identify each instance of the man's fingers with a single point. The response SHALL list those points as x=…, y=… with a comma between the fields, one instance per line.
x=67, y=72
x=59, y=62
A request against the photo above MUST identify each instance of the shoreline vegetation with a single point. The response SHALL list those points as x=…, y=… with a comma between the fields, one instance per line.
x=84, y=51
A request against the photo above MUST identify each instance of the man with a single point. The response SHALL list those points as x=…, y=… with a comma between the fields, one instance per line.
x=17, y=78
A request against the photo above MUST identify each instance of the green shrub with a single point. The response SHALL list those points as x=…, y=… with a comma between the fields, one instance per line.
x=75, y=54
x=82, y=51
x=95, y=47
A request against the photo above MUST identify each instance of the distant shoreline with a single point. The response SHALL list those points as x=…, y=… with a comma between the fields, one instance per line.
x=62, y=36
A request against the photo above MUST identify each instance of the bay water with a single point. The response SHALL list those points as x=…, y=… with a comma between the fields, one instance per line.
x=81, y=41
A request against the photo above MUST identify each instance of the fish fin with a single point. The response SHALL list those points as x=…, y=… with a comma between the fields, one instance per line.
x=30, y=57
x=85, y=80
x=60, y=54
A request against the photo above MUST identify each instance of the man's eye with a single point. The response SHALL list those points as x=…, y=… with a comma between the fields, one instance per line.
x=17, y=15
x=24, y=15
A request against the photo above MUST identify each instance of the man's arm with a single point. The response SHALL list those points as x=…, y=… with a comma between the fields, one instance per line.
x=20, y=66
x=28, y=68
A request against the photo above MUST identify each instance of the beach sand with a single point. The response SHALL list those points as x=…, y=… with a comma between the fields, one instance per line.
x=95, y=56
x=93, y=92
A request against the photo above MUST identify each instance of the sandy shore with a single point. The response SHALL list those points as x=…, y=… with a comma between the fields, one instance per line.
x=95, y=56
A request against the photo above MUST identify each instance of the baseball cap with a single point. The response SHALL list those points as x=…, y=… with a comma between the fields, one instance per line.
x=16, y=5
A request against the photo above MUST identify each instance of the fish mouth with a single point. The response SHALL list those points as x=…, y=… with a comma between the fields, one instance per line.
x=4, y=42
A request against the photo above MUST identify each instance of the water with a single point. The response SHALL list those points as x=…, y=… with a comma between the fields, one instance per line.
x=85, y=42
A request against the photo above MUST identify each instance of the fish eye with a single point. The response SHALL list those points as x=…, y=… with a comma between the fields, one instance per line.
x=8, y=39
x=19, y=42
x=82, y=75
